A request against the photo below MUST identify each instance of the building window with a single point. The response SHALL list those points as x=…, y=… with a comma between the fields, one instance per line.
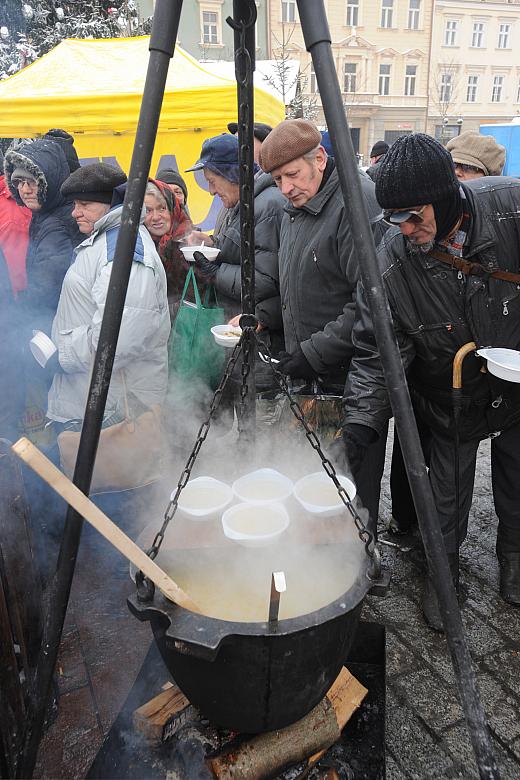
x=210, y=27
x=450, y=33
x=409, y=79
x=352, y=13
x=496, y=94
x=387, y=9
x=314, y=82
x=471, y=92
x=413, y=14
x=445, y=89
x=477, y=39
x=518, y=92
x=349, y=77
x=503, y=36
x=288, y=11
x=384, y=79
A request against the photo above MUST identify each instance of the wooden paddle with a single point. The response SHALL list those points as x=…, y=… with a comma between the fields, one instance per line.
x=37, y=461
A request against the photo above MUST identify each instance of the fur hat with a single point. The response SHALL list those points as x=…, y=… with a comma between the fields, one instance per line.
x=480, y=151
x=289, y=140
x=95, y=182
x=416, y=170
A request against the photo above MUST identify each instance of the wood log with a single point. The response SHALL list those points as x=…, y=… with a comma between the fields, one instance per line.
x=266, y=754
x=161, y=717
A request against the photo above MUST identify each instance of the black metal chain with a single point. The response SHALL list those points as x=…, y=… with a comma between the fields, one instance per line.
x=201, y=437
x=364, y=534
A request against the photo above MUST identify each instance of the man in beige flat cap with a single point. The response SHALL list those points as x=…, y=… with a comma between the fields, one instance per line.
x=476, y=155
x=318, y=266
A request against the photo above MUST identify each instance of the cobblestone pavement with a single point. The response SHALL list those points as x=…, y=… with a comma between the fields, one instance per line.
x=426, y=733
x=103, y=648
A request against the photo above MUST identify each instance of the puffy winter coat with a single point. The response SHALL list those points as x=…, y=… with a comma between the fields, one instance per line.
x=268, y=209
x=11, y=375
x=53, y=233
x=436, y=310
x=141, y=353
x=318, y=277
x=14, y=236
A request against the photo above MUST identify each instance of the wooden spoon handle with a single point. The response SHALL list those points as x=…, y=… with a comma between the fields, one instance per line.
x=39, y=463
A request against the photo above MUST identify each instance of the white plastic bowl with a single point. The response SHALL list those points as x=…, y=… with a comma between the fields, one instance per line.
x=318, y=495
x=503, y=363
x=262, y=487
x=222, y=337
x=209, y=252
x=42, y=347
x=204, y=498
x=255, y=525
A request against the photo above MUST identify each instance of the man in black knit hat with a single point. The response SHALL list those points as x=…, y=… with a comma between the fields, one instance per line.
x=439, y=303
x=377, y=155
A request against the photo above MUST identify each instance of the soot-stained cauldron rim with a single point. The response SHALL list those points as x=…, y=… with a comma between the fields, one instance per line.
x=194, y=629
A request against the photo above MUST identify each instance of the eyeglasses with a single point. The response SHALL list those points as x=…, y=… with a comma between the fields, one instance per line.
x=393, y=217
x=468, y=168
x=19, y=180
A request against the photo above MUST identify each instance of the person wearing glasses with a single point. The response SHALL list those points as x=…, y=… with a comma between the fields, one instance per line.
x=34, y=173
x=437, y=306
x=476, y=155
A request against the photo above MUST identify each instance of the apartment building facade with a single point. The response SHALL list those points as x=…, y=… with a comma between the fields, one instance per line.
x=475, y=65
x=436, y=66
x=382, y=52
x=203, y=31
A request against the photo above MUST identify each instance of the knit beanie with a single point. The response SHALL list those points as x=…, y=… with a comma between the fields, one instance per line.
x=95, y=182
x=480, y=151
x=416, y=170
x=169, y=176
x=380, y=147
x=289, y=140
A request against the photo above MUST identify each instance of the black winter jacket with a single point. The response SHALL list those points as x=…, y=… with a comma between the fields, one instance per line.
x=436, y=310
x=318, y=277
x=268, y=210
x=53, y=233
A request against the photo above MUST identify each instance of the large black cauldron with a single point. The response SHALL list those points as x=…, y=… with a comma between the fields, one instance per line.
x=253, y=677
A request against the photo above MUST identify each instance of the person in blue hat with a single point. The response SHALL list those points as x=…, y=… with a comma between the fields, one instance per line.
x=220, y=165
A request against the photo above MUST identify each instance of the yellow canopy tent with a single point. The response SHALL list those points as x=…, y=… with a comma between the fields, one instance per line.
x=93, y=89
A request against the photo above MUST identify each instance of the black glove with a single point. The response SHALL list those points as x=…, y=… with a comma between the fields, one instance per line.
x=205, y=269
x=296, y=365
x=348, y=451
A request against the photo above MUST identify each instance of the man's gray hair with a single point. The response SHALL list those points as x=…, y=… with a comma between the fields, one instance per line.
x=313, y=152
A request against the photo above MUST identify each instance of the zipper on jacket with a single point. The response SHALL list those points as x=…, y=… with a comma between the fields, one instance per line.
x=505, y=310
x=315, y=261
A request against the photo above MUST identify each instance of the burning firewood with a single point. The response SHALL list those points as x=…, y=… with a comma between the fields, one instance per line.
x=268, y=753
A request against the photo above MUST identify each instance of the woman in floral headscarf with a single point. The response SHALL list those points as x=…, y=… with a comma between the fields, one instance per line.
x=168, y=224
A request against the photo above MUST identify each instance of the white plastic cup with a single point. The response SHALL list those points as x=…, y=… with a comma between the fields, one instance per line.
x=42, y=347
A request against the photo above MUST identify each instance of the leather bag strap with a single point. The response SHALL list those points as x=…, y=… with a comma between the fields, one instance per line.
x=473, y=269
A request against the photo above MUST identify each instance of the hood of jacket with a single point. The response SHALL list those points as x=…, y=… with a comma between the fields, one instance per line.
x=45, y=161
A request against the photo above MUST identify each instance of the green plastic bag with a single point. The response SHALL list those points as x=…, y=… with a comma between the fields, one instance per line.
x=193, y=355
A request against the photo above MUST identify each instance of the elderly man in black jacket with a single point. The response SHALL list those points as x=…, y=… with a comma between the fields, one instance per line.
x=437, y=306
x=318, y=269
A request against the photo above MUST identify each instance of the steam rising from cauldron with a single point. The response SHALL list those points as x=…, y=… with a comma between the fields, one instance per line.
x=319, y=548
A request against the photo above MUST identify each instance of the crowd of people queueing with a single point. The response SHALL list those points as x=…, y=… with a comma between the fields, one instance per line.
x=429, y=207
